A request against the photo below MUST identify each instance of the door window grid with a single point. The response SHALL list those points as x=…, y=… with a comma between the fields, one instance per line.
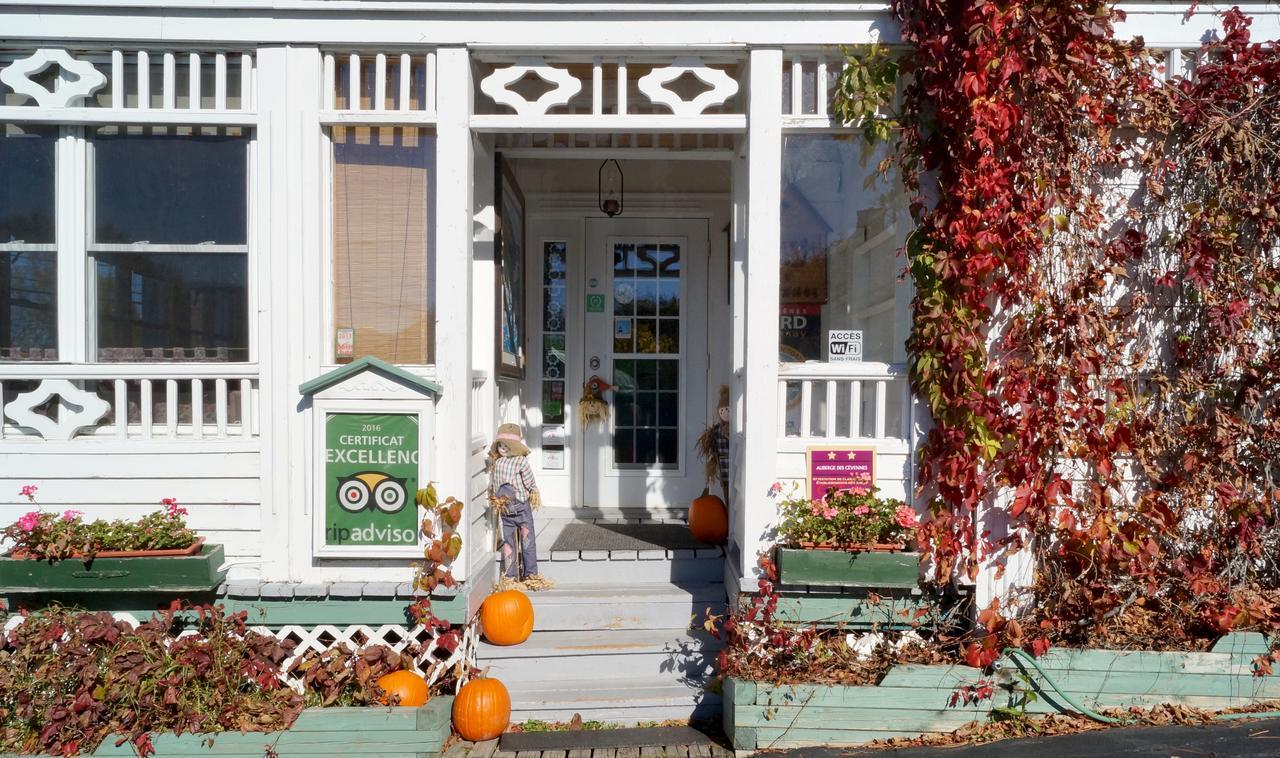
x=646, y=325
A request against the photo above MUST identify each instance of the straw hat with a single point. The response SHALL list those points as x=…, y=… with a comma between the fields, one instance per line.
x=509, y=435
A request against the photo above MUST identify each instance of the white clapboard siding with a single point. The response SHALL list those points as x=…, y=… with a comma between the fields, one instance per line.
x=142, y=488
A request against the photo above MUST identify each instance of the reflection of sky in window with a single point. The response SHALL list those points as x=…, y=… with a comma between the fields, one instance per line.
x=170, y=189
x=30, y=300
x=829, y=185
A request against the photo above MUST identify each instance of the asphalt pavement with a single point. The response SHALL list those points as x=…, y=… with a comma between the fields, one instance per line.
x=1237, y=739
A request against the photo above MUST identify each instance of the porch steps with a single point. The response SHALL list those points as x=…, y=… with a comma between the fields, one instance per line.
x=616, y=639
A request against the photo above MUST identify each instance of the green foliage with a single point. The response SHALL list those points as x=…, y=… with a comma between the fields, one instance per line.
x=865, y=91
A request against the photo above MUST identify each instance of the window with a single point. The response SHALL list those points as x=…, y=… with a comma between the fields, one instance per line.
x=28, y=253
x=842, y=225
x=170, y=244
x=383, y=243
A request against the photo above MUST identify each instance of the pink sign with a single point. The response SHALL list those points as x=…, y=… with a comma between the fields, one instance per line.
x=844, y=468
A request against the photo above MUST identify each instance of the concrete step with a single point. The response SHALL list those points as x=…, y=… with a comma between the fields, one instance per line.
x=632, y=567
x=633, y=655
x=659, y=605
x=626, y=703
x=663, y=514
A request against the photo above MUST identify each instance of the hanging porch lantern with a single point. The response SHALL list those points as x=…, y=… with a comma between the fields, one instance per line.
x=609, y=188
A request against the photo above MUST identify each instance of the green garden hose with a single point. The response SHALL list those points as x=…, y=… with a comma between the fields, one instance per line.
x=1021, y=655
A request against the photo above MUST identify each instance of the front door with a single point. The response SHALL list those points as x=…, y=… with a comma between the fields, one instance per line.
x=646, y=335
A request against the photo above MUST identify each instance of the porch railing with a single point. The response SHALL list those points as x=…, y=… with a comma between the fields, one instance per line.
x=135, y=401
x=844, y=401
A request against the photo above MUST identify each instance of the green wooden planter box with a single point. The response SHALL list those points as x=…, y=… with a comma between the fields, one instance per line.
x=201, y=572
x=836, y=568
x=382, y=732
x=914, y=700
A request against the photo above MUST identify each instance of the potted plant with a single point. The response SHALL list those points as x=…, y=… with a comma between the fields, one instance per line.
x=854, y=539
x=61, y=552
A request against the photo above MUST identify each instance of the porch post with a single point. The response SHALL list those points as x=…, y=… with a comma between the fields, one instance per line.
x=760, y=367
x=453, y=276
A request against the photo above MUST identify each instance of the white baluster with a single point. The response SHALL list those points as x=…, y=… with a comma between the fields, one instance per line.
x=117, y=79
x=122, y=409
x=829, y=430
x=622, y=87
x=882, y=400
x=197, y=408
x=353, y=82
x=797, y=87
x=144, y=403
x=821, y=87
x=597, y=86
x=171, y=407
x=220, y=81
x=806, y=408
x=330, y=95
x=247, y=94
x=246, y=416
x=430, y=105
x=194, y=82
x=220, y=405
x=855, y=408
x=380, y=82
x=144, y=79
x=170, y=95
x=782, y=407
x=406, y=78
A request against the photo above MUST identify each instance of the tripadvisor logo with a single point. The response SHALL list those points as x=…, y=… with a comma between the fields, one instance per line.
x=371, y=535
x=372, y=489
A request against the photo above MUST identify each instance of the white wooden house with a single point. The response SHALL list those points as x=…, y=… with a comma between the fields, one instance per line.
x=207, y=204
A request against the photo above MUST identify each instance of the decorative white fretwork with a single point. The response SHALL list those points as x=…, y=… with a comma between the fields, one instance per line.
x=76, y=409
x=496, y=85
x=433, y=660
x=77, y=80
x=654, y=86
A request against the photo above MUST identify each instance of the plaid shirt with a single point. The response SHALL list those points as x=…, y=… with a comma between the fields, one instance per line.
x=516, y=471
x=722, y=454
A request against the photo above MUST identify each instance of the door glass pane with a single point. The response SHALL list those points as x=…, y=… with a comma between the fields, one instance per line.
x=26, y=184
x=646, y=284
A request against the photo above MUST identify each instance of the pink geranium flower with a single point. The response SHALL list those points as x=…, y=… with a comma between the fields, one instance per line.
x=70, y=515
x=829, y=513
x=172, y=508
x=906, y=518
x=29, y=521
x=861, y=510
x=28, y=491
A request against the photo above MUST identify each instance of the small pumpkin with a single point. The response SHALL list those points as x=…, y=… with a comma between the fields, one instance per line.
x=481, y=710
x=410, y=688
x=507, y=617
x=709, y=519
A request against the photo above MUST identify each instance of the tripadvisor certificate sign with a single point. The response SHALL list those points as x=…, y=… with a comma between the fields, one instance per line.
x=370, y=479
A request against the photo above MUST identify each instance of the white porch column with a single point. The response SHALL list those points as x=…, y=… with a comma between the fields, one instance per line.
x=760, y=368
x=453, y=276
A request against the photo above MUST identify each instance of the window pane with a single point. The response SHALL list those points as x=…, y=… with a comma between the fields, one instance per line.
x=172, y=306
x=26, y=184
x=383, y=251
x=842, y=225
x=175, y=186
x=28, y=305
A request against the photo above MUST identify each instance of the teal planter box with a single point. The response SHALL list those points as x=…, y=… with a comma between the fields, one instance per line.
x=383, y=732
x=914, y=700
x=201, y=572
x=836, y=568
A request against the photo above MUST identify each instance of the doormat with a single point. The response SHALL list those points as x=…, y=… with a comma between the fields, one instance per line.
x=579, y=535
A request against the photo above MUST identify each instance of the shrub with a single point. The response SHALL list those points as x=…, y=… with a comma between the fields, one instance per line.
x=844, y=519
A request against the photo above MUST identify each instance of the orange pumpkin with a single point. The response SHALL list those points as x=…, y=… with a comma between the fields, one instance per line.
x=507, y=617
x=709, y=519
x=481, y=710
x=410, y=688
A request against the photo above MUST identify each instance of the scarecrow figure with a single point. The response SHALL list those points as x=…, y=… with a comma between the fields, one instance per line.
x=713, y=444
x=514, y=494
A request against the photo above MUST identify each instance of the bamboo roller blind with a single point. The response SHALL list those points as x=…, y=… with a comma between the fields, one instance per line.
x=383, y=178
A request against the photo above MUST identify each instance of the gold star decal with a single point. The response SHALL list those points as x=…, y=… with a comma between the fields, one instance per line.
x=831, y=456
x=853, y=456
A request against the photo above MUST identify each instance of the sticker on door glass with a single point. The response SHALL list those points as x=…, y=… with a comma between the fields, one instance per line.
x=624, y=293
x=622, y=327
x=595, y=303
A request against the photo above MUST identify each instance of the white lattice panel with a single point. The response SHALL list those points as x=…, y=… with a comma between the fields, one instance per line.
x=432, y=661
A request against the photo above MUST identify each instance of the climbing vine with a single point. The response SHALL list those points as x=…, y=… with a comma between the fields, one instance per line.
x=1097, y=300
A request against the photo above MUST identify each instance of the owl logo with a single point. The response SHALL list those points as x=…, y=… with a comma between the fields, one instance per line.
x=358, y=491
